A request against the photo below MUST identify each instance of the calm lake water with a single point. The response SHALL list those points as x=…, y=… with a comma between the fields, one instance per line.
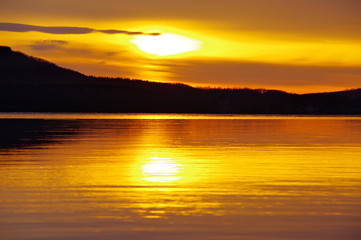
x=193, y=177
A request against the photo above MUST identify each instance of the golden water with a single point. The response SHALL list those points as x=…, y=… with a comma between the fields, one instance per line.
x=86, y=176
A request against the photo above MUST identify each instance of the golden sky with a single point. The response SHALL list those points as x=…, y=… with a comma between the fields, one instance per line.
x=296, y=46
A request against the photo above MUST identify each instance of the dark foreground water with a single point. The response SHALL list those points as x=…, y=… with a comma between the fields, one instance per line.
x=179, y=177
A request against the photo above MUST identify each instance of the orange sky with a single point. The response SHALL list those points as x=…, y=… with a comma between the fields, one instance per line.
x=296, y=46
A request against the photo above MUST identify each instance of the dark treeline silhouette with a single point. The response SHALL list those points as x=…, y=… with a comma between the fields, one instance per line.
x=29, y=84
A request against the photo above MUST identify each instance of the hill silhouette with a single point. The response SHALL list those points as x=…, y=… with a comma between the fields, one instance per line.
x=29, y=84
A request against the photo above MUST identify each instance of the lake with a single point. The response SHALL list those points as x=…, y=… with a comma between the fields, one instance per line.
x=193, y=177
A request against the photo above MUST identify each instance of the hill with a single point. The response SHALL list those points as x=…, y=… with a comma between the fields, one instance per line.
x=29, y=84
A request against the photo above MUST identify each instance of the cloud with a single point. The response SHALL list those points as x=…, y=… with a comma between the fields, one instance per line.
x=110, y=54
x=44, y=45
x=17, y=27
x=293, y=78
x=113, y=31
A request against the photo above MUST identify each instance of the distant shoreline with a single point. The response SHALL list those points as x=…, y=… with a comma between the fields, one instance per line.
x=94, y=116
x=29, y=84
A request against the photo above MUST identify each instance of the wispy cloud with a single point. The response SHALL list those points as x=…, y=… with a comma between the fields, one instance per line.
x=292, y=78
x=17, y=27
x=44, y=45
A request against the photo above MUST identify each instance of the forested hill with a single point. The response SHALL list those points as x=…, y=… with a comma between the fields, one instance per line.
x=29, y=84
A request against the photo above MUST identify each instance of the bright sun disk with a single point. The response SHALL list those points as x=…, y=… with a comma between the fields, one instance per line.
x=166, y=44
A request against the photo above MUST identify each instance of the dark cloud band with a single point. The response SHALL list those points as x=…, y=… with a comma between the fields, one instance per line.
x=17, y=27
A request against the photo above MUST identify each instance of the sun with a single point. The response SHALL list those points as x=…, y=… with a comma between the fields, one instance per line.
x=166, y=44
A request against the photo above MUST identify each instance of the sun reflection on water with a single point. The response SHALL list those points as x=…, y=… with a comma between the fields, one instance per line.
x=162, y=170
